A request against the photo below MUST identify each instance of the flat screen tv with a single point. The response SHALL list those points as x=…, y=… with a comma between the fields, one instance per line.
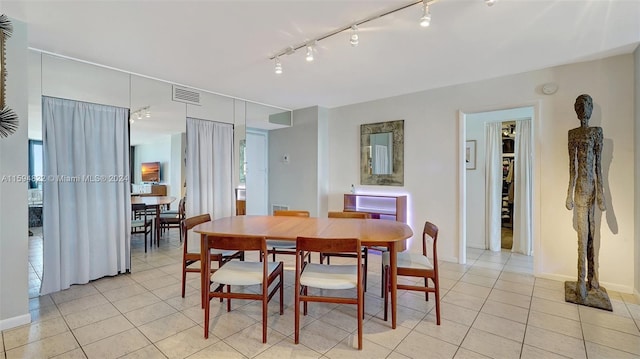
x=151, y=172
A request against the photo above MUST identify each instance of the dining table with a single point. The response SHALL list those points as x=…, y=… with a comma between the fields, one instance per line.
x=155, y=202
x=371, y=232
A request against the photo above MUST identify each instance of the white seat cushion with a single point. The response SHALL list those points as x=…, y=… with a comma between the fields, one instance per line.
x=137, y=223
x=275, y=243
x=329, y=276
x=409, y=260
x=242, y=273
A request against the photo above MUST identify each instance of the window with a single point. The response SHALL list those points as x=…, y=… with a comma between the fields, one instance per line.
x=35, y=163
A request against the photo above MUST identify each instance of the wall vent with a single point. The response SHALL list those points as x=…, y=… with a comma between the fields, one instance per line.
x=279, y=207
x=181, y=94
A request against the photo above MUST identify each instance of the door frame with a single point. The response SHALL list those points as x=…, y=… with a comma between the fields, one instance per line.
x=462, y=178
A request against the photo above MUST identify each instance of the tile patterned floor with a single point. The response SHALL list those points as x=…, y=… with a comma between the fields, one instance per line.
x=491, y=308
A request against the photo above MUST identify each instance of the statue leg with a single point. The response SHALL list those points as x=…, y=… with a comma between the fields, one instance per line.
x=592, y=275
x=583, y=233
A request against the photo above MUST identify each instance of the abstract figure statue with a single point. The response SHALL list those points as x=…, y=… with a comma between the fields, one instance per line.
x=585, y=189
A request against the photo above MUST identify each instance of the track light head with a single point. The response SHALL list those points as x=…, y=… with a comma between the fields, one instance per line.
x=278, y=69
x=309, y=53
x=354, y=39
x=425, y=20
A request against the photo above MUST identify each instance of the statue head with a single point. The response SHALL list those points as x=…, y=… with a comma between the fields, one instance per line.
x=583, y=106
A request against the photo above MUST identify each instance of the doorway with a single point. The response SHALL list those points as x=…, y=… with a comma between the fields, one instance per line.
x=473, y=186
x=257, y=157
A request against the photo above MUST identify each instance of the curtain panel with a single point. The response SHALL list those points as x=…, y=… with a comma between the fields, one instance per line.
x=87, y=203
x=493, y=179
x=209, y=168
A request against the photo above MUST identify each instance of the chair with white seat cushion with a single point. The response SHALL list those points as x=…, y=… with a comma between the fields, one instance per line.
x=365, y=251
x=243, y=273
x=416, y=265
x=325, y=276
x=276, y=246
x=193, y=257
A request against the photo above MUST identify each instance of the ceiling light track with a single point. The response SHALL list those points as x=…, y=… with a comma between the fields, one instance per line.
x=310, y=45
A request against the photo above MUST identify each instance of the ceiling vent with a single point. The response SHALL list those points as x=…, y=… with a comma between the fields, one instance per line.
x=181, y=94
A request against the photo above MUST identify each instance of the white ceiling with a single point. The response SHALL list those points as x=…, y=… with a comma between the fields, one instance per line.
x=224, y=46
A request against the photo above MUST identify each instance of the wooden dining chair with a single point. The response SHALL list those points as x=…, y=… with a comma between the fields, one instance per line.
x=365, y=250
x=416, y=265
x=326, y=276
x=189, y=258
x=243, y=273
x=141, y=222
x=173, y=219
x=276, y=246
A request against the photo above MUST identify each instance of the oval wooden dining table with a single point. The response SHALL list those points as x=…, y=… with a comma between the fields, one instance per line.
x=372, y=232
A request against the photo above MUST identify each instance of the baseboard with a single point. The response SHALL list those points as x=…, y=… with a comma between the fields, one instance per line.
x=15, y=321
x=609, y=286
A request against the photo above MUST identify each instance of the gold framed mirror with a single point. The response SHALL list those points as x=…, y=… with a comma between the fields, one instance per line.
x=382, y=153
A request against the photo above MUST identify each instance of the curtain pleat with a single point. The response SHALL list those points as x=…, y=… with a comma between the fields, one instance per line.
x=87, y=203
x=522, y=226
x=493, y=176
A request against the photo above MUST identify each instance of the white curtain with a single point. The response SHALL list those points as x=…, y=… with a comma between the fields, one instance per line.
x=209, y=168
x=522, y=226
x=87, y=203
x=493, y=179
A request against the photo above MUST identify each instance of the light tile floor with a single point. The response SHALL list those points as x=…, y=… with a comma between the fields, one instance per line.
x=491, y=307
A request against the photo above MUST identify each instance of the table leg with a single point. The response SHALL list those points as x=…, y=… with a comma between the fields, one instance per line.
x=203, y=275
x=158, y=225
x=393, y=281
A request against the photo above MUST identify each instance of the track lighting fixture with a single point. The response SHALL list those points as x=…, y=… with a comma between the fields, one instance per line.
x=425, y=20
x=139, y=113
x=354, y=38
x=309, y=53
x=278, y=69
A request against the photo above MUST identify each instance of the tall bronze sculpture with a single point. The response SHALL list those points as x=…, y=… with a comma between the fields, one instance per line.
x=585, y=189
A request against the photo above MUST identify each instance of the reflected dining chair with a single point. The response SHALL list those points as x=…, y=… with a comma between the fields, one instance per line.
x=263, y=273
x=173, y=219
x=326, y=276
x=416, y=265
x=189, y=258
x=276, y=246
x=141, y=223
x=365, y=251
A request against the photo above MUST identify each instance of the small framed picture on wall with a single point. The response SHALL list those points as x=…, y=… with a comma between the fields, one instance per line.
x=470, y=154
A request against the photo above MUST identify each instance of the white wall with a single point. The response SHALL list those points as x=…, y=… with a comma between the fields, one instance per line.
x=14, y=228
x=432, y=158
x=84, y=82
x=296, y=183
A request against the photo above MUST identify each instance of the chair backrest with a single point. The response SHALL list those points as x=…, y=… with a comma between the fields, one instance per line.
x=238, y=242
x=328, y=245
x=361, y=215
x=430, y=230
x=138, y=209
x=291, y=213
x=188, y=224
x=181, y=208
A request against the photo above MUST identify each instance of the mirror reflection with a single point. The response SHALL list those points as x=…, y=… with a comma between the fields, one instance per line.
x=382, y=153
